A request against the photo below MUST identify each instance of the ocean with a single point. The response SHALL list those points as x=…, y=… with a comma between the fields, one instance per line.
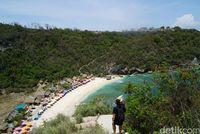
x=113, y=90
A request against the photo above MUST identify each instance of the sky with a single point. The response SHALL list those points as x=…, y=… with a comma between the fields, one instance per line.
x=102, y=15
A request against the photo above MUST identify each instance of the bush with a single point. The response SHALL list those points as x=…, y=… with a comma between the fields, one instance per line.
x=79, y=118
x=63, y=125
x=176, y=103
x=60, y=125
x=66, y=85
x=93, y=130
x=97, y=106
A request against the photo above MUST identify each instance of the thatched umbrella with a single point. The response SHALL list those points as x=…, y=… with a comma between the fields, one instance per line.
x=37, y=101
x=29, y=100
x=84, y=75
x=47, y=94
x=39, y=94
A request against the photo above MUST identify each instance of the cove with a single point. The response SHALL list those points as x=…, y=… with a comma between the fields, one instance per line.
x=116, y=88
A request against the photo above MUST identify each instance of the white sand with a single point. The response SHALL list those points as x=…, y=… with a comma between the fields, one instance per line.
x=68, y=103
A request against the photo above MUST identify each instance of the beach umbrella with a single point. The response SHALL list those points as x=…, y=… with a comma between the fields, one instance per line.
x=27, y=128
x=29, y=124
x=23, y=123
x=24, y=132
x=18, y=129
x=21, y=106
x=15, y=132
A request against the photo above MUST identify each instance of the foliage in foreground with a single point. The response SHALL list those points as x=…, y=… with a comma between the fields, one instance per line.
x=63, y=125
x=98, y=105
x=174, y=103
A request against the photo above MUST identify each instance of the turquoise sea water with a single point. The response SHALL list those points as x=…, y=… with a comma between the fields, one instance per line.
x=115, y=89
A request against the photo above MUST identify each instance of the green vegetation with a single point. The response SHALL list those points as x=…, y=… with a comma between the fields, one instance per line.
x=97, y=106
x=32, y=54
x=66, y=85
x=176, y=102
x=129, y=89
x=63, y=125
x=1, y=99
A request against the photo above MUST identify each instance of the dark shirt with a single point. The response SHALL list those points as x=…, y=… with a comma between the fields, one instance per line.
x=115, y=111
x=115, y=108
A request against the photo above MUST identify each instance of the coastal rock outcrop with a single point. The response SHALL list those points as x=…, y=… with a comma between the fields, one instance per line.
x=124, y=70
x=117, y=69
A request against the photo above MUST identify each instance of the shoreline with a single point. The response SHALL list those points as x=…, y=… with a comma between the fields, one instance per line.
x=67, y=105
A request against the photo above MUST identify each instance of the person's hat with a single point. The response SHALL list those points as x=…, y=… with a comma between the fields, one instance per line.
x=120, y=98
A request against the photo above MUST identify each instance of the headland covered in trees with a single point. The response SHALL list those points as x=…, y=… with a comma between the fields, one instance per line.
x=28, y=55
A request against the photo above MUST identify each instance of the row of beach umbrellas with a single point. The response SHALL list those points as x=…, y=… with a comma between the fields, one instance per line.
x=23, y=129
x=26, y=126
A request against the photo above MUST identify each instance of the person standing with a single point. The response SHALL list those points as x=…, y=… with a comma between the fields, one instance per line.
x=118, y=114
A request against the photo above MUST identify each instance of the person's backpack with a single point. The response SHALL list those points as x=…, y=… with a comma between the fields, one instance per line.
x=120, y=111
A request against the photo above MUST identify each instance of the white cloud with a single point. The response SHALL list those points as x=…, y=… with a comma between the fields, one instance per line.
x=186, y=21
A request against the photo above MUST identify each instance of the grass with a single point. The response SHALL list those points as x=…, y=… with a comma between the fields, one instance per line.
x=1, y=99
x=62, y=125
x=7, y=104
x=97, y=106
x=93, y=130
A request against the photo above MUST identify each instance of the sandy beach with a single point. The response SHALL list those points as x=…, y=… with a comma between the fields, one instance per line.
x=68, y=103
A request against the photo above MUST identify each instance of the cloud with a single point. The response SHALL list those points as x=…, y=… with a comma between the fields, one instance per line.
x=186, y=21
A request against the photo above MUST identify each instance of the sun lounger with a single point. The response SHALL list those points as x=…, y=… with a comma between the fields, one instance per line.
x=36, y=117
x=40, y=112
x=48, y=106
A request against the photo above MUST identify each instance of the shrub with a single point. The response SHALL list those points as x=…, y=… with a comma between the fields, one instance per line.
x=176, y=103
x=66, y=85
x=98, y=105
x=79, y=118
x=63, y=125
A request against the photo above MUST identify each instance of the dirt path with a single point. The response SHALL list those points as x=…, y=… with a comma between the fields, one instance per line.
x=106, y=122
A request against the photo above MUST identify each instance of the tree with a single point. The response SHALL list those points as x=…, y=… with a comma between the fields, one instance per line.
x=129, y=89
x=176, y=103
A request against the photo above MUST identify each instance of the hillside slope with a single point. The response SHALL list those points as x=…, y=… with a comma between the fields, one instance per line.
x=28, y=55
